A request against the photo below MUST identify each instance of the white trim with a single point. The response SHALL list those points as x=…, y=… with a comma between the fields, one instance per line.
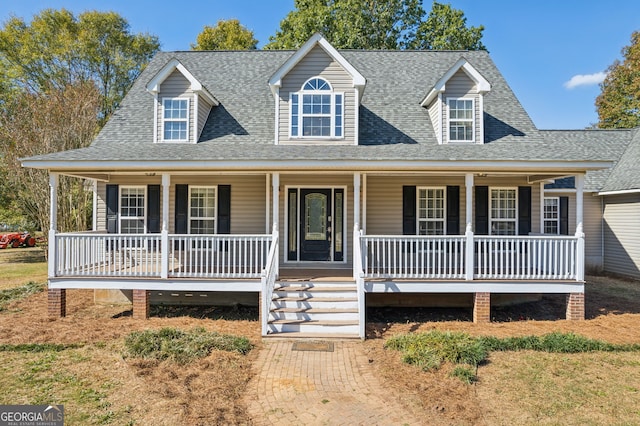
x=300, y=94
x=482, y=84
x=480, y=119
x=317, y=39
x=356, y=115
x=363, y=222
x=544, y=219
x=94, y=215
x=472, y=120
x=277, y=117
x=441, y=125
x=164, y=99
x=345, y=219
x=196, y=119
x=156, y=103
x=168, y=285
x=154, y=85
x=448, y=286
x=619, y=192
x=541, y=196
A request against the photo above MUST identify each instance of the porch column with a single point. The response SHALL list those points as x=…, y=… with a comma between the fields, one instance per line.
x=469, y=249
x=164, y=233
x=53, y=222
x=141, y=304
x=275, y=184
x=580, y=227
x=356, y=199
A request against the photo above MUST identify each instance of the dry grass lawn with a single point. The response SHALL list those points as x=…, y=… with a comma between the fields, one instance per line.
x=98, y=385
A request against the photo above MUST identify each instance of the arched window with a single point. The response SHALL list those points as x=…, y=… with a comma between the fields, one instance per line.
x=317, y=111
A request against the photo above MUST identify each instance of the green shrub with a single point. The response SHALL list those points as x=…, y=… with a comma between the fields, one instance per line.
x=180, y=346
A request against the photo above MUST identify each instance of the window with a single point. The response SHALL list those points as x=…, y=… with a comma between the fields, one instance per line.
x=132, y=209
x=503, y=211
x=175, y=119
x=551, y=215
x=202, y=210
x=461, y=120
x=317, y=111
x=431, y=214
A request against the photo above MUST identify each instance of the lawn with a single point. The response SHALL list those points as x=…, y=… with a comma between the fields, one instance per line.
x=84, y=362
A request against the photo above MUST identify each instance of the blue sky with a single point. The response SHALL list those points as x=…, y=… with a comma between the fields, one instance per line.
x=540, y=46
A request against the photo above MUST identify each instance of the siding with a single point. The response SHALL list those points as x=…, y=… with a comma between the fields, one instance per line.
x=384, y=199
x=176, y=86
x=317, y=63
x=311, y=181
x=459, y=86
x=247, y=198
x=621, y=230
x=204, y=108
x=592, y=223
x=434, y=115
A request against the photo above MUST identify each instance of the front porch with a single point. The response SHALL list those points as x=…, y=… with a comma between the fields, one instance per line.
x=480, y=265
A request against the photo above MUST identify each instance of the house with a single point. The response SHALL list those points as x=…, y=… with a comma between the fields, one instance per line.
x=317, y=180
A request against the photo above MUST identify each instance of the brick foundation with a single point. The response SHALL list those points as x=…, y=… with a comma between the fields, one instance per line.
x=141, y=304
x=481, y=307
x=57, y=302
x=575, y=306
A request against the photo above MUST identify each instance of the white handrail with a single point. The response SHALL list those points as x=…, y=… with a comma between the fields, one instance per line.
x=268, y=280
x=358, y=276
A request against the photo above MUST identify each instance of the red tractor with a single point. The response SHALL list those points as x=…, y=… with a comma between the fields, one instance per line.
x=17, y=239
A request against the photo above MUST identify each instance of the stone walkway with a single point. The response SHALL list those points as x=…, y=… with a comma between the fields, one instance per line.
x=295, y=387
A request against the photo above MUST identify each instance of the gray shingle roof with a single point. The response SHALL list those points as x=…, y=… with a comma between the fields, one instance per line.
x=393, y=125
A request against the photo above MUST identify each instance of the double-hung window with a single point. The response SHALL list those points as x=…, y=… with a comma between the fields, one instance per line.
x=461, y=126
x=503, y=211
x=202, y=209
x=175, y=119
x=431, y=211
x=317, y=111
x=551, y=215
x=132, y=209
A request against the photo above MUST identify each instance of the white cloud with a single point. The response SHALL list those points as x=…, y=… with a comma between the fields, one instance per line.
x=585, y=80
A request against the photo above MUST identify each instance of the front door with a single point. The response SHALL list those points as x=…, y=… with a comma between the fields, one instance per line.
x=315, y=224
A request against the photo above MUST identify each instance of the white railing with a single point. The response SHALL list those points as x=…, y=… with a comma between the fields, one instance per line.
x=220, y=256
x=358, y=275
x=441, y=257
x=93, y=254
x=526, y=258
x=494, y=257
x=142, y=255
x=268, y=280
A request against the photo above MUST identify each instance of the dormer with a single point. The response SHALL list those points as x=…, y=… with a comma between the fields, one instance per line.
x=455, y=105
x=317, y=93
x=181, y=104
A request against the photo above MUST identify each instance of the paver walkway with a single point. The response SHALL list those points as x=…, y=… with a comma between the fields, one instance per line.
x=320, y=388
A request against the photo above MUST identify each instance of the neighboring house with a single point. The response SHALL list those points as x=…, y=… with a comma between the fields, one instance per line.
x=404, y=172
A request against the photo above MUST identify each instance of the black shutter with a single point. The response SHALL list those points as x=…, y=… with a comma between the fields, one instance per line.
x=453, y=210
x=482, y=210
x=153, y=209
x=112, y=209
x=224, y=209
x=182, y=206
x=524, y=210
x=564, y=215
x=409, y=210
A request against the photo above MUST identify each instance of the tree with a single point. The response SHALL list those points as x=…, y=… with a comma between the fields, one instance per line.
x=59, y=118
x=226, y=35
x=618, y=104
x=373, y=24
x=446, y=29
x=57, y=49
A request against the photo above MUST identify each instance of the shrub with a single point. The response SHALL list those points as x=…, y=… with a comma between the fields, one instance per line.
x=180, y=346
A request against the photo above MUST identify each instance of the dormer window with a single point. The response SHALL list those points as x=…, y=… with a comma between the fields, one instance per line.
x=461, y=122
x=317, y=111
x=175, y=119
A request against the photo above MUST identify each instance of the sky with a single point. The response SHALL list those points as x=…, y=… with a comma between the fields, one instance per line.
x=552, y=53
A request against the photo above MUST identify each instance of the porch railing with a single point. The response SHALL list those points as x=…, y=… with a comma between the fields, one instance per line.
x=485, y=257
x=268, y=281
x=144, y=255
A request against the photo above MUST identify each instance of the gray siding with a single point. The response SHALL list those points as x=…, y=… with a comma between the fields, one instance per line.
x=461, y=86
x=204, y=107
x=621, y=230
x=434, y=114
x=248, y=200
x=317, y=63
x=592, y=225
